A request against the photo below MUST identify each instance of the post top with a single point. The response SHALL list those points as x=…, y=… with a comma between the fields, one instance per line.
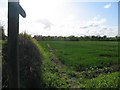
x=18, y=7
x=13, y=0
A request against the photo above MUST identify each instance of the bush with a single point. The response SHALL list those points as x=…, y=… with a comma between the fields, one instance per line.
x=30, y=63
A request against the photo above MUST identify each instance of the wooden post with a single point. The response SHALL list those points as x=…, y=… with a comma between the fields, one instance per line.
x=14, y=9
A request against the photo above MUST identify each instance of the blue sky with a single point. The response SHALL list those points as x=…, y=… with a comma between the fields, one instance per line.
x=57, y=17
x=92, y=9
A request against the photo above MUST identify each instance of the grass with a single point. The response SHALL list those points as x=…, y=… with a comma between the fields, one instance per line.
x=104, y=81
x=84, y=53
x=51, y=78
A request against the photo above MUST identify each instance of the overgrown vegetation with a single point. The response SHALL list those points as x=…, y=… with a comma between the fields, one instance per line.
x=51, y=79
x=30, y=63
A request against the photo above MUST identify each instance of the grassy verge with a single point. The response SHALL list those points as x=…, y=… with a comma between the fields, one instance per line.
x=51, y=76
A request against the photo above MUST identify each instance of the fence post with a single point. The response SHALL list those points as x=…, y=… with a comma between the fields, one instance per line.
x=14, y=9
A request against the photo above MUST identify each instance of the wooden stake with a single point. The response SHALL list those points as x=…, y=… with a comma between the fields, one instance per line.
x=14, y=9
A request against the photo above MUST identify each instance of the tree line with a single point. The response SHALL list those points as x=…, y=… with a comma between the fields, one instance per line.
x=75, y=38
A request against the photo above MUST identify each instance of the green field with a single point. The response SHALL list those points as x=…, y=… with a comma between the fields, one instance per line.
x=84, y=53
x=82, y=64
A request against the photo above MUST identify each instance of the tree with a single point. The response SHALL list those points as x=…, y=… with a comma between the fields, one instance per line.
x=104, y=36
x=73, y=38
x=2, y=33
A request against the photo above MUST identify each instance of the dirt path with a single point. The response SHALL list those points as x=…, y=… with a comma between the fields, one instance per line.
x=54, y=58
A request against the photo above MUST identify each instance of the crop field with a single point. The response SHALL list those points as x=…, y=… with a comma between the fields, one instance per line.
x=84, y=53
x=81, y=64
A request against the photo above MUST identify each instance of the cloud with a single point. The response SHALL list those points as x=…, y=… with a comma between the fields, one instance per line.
x=84, y=27
x=98, y=26
x=94, y=22
x=46, y=22
x=107, y=6
x=103, y=30
x=109, y=31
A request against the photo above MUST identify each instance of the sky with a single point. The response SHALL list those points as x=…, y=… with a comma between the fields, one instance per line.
x=65, y=18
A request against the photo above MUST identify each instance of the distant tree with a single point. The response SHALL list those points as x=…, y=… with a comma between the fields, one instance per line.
x=2, y=33
x=104, y=37
x=87, y=38
x=117, y=38
x=73, y=38
x=93, y=37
